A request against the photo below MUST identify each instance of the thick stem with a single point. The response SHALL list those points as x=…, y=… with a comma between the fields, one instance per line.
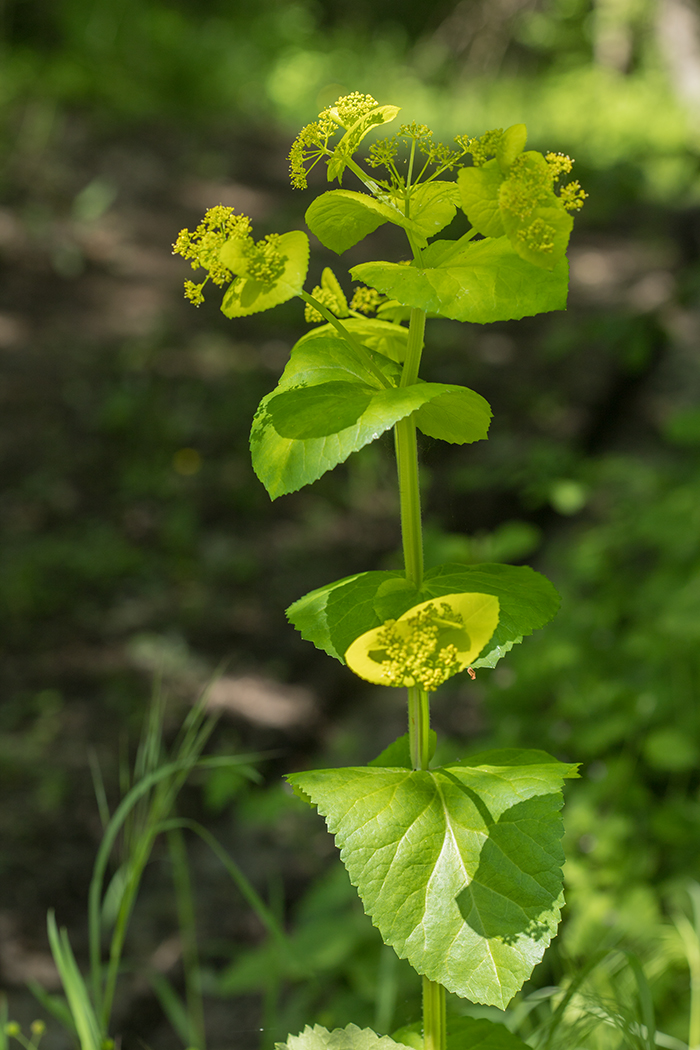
x=434, y=1017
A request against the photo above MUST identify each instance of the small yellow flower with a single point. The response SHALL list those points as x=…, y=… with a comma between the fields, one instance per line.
x=428, y=644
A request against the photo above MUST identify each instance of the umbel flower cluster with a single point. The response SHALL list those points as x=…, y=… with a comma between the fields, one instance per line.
x=262, y=260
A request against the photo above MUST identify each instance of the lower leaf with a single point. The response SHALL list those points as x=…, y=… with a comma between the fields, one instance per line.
x=458, y=867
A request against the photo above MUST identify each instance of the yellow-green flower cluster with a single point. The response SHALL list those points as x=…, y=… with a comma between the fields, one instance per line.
x=418, y=654
x=308, y=147
x=366, y=300
x=265, y=262
x=312, y=141
x=482, y=148
x=202, y=247
x=351, y=108
x=571, y=195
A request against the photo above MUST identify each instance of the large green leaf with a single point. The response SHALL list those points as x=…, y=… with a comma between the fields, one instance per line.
x=389, y=339
x=332, y=617
x=458, y=867
x=248, y=296
x=316, y=430
x=341, y=218
x=487, y=281
x=348, y=1038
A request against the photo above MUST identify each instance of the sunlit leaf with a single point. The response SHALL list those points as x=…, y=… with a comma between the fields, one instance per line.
x=459, y=867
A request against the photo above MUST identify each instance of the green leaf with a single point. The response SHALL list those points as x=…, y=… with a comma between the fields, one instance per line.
x=511, y=146
x=477, y=1033
x=317, y=411
x=328, y=405
x=285, y=464
x=433, y=206
x=550, y=225
x=479, y=188
x=246, y=296
x=349, y=1038
x=527, y=599
x=388, y=339
x=332, y=617
x=308, y=614
x=321, y=356
x=398, y=753
x=476, y=905
x=459, y=416
x=341, y=218
x=488, y=282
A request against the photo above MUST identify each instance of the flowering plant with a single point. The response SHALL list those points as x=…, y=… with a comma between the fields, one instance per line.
x=459, y=866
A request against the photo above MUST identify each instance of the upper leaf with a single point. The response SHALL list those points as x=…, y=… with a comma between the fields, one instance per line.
x=249, y=296
x=332, y=617
x=300, y=433
x=487, y=281
x=328, y=404
x=341, y=218
x=348, y=1038
x=476, y=905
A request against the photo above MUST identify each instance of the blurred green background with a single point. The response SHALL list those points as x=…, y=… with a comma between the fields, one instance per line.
x=137, y=543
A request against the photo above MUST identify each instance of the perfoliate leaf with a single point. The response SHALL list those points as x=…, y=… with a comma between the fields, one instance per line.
x=318, y=428
x=427, y=644
x=341, y=218
x=332, y=617
x=488, y=281
x=479, y=188
x=476, y=904
x=433, y=206
x=248, y=296
x=317, y=411
x=477, y=1033
x=349, y=1038
x=322, y=356
x=330, y=283
x=389, y=339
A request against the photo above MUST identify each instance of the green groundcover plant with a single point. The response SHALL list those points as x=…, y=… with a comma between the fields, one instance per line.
x=459, y=866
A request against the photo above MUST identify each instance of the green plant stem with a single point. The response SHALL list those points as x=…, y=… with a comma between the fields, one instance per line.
x=434, y=1016
x=418, y=727
x=349, y=338
x=434, y=1025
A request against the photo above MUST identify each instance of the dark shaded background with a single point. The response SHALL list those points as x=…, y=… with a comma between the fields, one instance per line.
x=137, y=543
